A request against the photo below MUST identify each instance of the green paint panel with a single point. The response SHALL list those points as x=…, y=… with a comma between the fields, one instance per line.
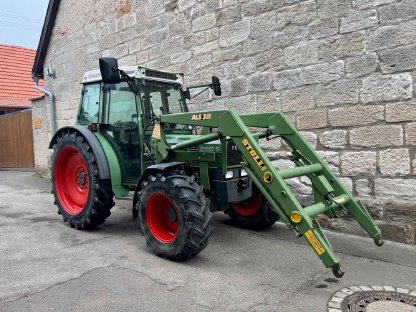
x=114, y=165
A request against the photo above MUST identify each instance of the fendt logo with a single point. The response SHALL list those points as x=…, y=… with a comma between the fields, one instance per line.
x=253, y=154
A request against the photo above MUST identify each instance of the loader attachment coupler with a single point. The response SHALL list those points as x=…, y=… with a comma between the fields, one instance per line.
x=330, y=195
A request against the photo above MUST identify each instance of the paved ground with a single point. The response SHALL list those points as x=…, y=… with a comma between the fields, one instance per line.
x=45, y=265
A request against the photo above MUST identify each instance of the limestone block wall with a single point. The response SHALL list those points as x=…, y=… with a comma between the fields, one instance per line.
x=342, y=70
x=41, y=135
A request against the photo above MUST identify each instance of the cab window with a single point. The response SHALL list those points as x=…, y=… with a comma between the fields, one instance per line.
x=88, y=112
x=160, y=98
x=122, y=104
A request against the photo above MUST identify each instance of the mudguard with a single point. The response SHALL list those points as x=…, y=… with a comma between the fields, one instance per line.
x=97, y=149
x=153, y=169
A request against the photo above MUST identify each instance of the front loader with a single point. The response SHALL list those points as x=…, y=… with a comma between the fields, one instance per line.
x=134, y=133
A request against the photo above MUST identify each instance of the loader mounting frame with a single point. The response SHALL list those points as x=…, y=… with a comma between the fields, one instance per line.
x=330, y=195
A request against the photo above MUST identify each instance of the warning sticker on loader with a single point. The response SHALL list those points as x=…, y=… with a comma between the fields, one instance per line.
x=156, y=131
x=314, y=242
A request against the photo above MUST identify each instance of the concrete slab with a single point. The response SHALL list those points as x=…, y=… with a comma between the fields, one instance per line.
x=45, y=265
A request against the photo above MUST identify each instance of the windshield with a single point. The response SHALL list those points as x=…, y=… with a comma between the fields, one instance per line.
x=161, y=98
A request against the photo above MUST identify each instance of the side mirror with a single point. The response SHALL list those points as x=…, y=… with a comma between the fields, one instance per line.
x=216, y=86
x=187, y=94
x=109, y=70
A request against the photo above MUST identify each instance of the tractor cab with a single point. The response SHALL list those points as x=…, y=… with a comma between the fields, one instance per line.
x=126, y=109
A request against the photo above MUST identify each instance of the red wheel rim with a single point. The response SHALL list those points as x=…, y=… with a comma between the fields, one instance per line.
x=248, y=207
x=71, y=180
x=162, y=218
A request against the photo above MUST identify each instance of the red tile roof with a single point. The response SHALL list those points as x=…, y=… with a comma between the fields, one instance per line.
x=16, y=84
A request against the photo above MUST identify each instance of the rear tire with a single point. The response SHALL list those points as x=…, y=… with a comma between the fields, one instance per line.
x=254, y=213
x=174, y=215
x=83, y=200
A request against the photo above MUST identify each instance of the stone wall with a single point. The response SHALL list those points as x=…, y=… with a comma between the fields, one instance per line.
x=41, y=135
x=342, y=70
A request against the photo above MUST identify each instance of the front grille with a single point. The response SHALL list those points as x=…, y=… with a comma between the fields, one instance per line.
x=234, y=156
x=193, y=149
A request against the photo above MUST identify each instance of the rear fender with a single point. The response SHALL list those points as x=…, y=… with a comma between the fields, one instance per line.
x=97, y=149
x=104, y=155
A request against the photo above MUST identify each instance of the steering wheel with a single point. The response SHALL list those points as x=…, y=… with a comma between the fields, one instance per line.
x=131, y=125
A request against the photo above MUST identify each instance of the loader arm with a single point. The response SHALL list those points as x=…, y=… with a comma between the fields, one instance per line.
x=330, y=194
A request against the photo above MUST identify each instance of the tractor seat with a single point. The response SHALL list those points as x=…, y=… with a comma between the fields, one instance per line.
x=129, y=136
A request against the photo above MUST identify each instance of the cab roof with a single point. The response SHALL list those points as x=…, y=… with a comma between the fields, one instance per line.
x=137, y=72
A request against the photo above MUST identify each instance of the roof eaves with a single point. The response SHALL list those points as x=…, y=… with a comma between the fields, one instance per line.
x=45, y=37
x=15, y=106
x=37, y=98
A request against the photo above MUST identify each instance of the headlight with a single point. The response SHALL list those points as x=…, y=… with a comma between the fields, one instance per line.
x=229, y=174
x=243, y=173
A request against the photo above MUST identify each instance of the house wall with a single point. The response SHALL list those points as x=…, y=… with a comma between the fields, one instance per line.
x=342, y=70
x=41, y=135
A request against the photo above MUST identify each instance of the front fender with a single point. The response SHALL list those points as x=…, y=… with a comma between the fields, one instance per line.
x=148, y=171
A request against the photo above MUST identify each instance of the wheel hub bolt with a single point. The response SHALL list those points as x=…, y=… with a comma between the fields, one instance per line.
x=82, y=178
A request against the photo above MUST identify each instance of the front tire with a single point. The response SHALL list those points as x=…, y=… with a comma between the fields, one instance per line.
x=83, y=200
x=253, y=214
x=174, y=215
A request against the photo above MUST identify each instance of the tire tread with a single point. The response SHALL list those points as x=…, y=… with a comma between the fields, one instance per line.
x=98, y=208
x=196, y=211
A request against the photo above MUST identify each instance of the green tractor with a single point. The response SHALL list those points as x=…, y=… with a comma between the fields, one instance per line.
x=134, y=134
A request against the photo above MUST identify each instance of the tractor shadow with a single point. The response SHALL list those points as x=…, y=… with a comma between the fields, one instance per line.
x=225, y=234
x=120, y=223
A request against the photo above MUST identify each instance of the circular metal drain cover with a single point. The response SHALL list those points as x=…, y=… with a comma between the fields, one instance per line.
x=362, y=301
x=373, y=299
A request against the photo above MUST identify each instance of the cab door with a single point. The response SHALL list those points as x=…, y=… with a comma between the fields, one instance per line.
x=120, y=113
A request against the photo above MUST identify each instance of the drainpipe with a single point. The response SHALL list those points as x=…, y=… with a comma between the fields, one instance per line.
x=51, y=101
